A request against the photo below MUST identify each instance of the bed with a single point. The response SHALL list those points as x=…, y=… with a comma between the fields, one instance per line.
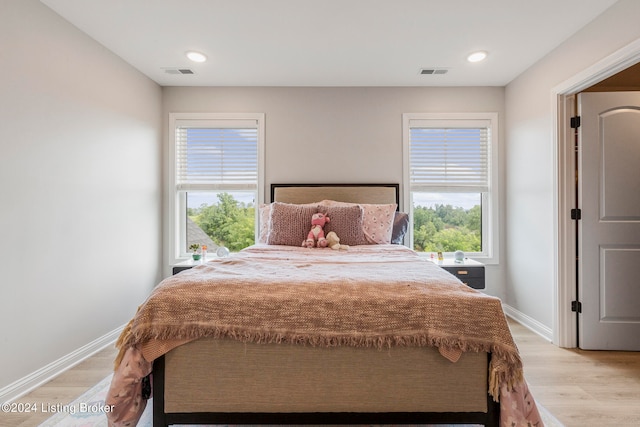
x=282, y=334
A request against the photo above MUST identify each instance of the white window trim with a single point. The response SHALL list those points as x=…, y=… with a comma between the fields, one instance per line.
x=175, y=203
x=490, y=217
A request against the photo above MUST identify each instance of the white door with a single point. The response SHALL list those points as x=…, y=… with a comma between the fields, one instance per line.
x=609, y=231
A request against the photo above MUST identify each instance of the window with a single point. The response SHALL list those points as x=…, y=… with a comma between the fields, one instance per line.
x=216, y=180
x=450, y=183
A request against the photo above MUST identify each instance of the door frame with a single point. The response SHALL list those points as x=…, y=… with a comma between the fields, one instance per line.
x=564, y=320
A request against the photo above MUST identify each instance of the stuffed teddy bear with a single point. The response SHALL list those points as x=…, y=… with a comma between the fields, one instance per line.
x=316, y=234
x=334, y=241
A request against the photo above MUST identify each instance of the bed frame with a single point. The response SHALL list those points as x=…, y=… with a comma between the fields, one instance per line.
x=211, y=381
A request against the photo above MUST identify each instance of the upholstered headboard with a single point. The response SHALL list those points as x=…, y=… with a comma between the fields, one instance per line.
x=353, y=193
x=372, y=195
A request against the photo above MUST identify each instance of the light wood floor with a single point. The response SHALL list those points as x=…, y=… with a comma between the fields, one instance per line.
x=580, y=388
x=63, y=389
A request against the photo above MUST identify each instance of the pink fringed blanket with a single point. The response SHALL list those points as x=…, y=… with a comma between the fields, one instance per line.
x=374, y=296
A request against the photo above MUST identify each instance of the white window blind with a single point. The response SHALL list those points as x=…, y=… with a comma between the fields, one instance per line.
x=217, y=156
x=447, y=156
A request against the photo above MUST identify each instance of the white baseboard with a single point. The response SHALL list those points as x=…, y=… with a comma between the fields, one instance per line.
x=34, y=380
x=529, y=322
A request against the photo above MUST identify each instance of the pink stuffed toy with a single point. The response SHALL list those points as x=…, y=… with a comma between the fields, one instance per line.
x=316, y=234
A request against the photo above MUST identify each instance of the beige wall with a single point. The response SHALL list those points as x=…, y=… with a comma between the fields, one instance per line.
x=346, y=134
x=80, y=197
x=337, y=135
x=530, y=157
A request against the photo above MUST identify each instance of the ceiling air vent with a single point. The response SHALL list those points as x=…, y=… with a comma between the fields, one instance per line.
x=178, y=71
x=434, y=71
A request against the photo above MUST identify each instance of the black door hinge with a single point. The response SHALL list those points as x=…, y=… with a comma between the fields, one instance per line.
x=576, y=306
x=575, y=122
x=576, y=214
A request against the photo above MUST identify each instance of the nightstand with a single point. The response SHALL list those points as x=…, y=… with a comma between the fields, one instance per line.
x=470, y=272
x=185, y=265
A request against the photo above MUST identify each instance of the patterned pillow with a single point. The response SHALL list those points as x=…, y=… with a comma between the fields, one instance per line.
x=346, y=222
x=289, y=224
x=377, y=220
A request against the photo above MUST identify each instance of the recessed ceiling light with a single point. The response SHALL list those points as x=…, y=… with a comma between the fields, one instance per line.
x=477, y=56
x=196, y=56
